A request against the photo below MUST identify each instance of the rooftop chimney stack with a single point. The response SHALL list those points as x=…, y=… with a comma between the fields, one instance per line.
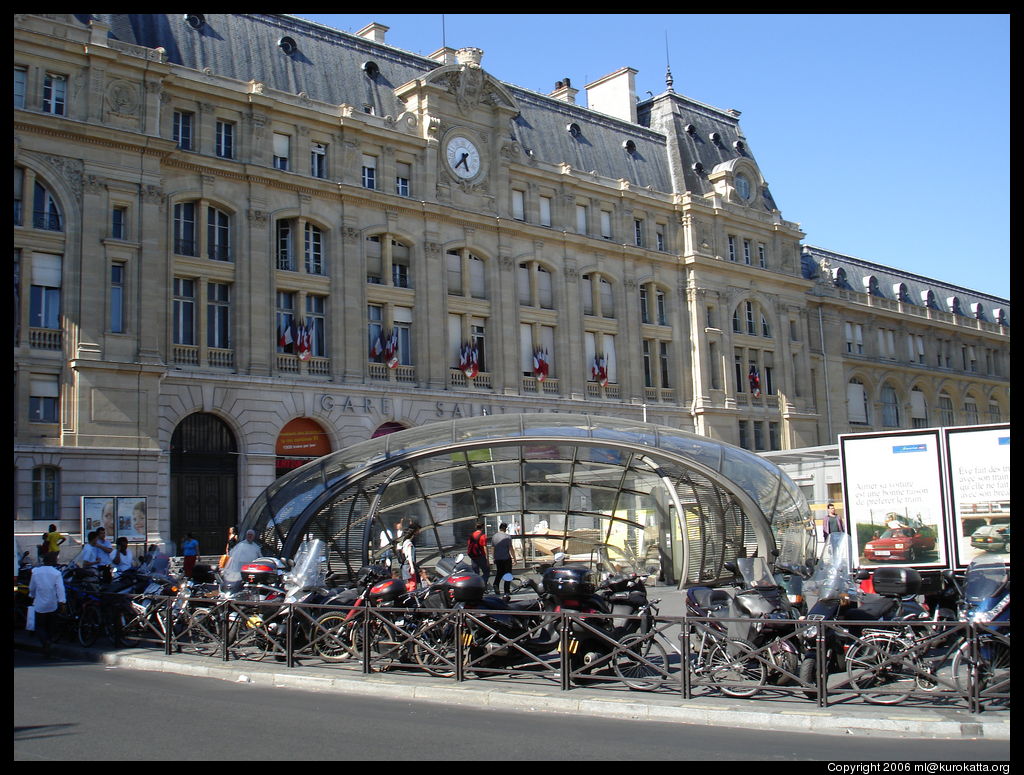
x=373, y=31
x=614, y=94
x=564, y=91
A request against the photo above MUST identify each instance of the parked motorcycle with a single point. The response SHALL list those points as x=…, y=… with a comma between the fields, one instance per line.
x=840, y=599
x=757, y=613
x=986, y=602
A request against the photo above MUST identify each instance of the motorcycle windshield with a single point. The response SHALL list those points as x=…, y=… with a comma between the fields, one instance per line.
x=832, y=575
x=986, y=577
x=309, y=568
x=755, y=572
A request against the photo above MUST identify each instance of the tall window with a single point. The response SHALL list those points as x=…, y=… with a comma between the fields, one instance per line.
x=535, y=289
x=545, y=210
x=762, y=258
x=581, y=219
x=318, y=160
x=181, y=131
x=55, y=92
x=45, y=212
x=855, y=338
x=653, y=307
x=946, y=417
x=224, y=140
x=857, y=403
x=518, y=205
x=218, y=234
x=387, y=258
x=970, y=411
x=466, y=275
x=45, y=492
x=185, y=243
x=282, y=151
x=314, y=249
x=285, y=319
x=596, y=296
x=119, y=223
x=890, y=407
x=638, y=232
x=218, y=315
x=44, y=295
x=44, y=398
x=316, y=312
x=918, y=408
x=184, y=311
x=369, y=171
x=403, y=176
x=20, y=75
x=732, y=248
x=746, y=252
x=117, y=298
x=284, y=248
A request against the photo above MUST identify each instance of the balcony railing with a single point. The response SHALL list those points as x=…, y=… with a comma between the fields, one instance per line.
x=548, y=387
x=457, y=379
x=45, y=338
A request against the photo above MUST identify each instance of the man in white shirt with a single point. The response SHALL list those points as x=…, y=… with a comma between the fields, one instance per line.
x=47, y=591
x=244, y=552
x=122, y=558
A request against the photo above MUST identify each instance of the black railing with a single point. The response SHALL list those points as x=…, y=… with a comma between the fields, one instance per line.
x=949, y=663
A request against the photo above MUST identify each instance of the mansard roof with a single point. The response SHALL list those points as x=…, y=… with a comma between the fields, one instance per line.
x=859, y=275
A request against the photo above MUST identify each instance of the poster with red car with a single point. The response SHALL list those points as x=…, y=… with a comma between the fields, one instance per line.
x=894, y=498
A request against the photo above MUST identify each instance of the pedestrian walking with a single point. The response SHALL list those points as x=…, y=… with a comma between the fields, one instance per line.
x=476, y=548
x=46, y=588
x=832, y=523
x=407, y=550
x=504, y=557
x=190, y=551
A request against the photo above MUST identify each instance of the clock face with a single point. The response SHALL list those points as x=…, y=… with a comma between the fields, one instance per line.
x=463, y=157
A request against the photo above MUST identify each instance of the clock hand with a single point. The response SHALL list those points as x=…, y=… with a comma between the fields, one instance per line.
x=463, y=162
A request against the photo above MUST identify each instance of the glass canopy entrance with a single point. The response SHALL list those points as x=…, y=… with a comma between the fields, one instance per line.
x=616, y=494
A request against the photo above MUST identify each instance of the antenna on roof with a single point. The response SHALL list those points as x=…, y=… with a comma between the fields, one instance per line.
x=444, y=39
x=668, y=66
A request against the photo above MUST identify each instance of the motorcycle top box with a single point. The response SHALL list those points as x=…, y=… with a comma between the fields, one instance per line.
x=463, y=588
x=896, y=581
x=387, y=591
x=265, y=570
x=569, y=581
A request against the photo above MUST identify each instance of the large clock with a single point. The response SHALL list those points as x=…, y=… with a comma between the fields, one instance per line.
x=463, y=157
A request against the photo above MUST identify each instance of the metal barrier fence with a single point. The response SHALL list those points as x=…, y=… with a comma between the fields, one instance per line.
x=950, y=663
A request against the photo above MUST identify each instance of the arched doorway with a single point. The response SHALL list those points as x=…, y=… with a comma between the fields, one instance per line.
x=204, y=482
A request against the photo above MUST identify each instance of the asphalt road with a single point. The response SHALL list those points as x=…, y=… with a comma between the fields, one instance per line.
x=85, y=711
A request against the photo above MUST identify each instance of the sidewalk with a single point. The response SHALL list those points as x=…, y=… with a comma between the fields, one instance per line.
x=783, y=713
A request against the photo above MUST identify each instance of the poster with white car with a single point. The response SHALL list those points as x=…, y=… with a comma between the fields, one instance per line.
x=894, y=498
x=979, y=476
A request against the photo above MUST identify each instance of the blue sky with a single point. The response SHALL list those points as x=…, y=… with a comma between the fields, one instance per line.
x=885, y=136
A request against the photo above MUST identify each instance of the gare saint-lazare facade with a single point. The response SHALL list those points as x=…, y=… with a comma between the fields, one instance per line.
x=246, y=244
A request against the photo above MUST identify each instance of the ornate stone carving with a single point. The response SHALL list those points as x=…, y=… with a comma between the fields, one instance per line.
x=257, y=217
x=123, y=98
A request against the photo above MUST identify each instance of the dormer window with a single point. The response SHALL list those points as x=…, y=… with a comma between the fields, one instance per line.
x=743, y=187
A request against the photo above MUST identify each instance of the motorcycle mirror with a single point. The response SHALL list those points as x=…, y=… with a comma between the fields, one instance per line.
x=731, y=567
x=863, y=574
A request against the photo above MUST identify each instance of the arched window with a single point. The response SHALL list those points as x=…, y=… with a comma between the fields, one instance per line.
x=918, y=408
x=857, y=403
x=535, y=285
x=45, y=212
x=596, y=296
x=946, y=417
x=890, y=407
x=467, y=275
x=387, y=261
x=749, y=318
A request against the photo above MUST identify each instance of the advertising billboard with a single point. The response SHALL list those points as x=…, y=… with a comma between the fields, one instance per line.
x=894, y=497
x=979, y=479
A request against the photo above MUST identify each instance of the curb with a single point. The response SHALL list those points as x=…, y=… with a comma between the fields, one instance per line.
x=862, y=721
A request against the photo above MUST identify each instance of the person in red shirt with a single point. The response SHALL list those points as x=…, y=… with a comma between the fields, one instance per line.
x=476, y=548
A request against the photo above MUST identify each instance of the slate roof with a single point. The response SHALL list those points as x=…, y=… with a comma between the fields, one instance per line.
x=328, y=66
x=854, y=273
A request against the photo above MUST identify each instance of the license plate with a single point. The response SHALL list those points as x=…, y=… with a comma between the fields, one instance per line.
x=882, y=552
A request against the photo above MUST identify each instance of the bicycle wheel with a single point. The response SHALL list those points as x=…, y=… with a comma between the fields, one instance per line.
x=992, y=669
x=643, y=663
x=879, y=670
x=734, y=668
x=201, y=631
x=90, y=622
x=125, y=629
x=434, y=648
x=333, y=637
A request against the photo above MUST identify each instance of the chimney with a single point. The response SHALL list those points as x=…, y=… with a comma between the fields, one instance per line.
x=373, y=31
x=444, y=55
x=614, y=94
x=564, y=91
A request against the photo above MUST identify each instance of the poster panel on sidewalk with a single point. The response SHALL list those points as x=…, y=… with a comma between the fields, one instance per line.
x=131, y=519
x=894, y=498
x=979, y=483
x=97, y=511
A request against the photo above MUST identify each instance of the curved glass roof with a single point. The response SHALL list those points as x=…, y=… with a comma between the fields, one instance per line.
x=573, y=474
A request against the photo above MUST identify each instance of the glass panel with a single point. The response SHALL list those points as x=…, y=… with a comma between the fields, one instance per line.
x=758, y=478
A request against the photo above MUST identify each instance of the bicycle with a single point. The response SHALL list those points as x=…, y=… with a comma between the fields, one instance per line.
x=730, y=665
